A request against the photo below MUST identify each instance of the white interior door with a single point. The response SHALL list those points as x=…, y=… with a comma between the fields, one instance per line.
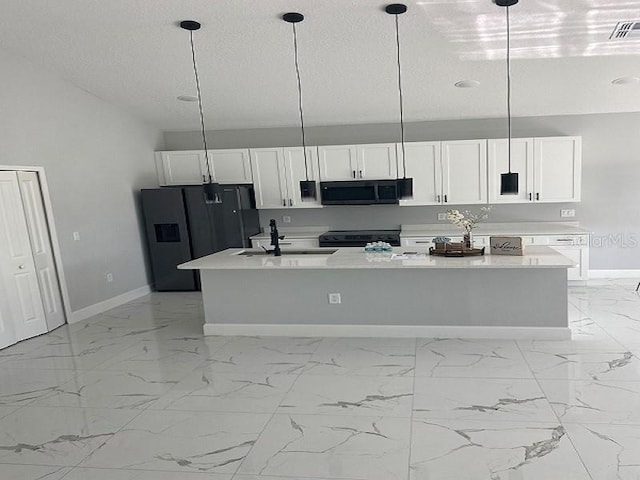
x=41, y=248
x=17, y=267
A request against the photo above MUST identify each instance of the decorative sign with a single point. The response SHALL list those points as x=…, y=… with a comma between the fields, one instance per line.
x=506, y=246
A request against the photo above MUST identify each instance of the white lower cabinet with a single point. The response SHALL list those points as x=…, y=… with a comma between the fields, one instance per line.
x=287, y=243
x=575, y=247
x=423, y=242
x=277, y=175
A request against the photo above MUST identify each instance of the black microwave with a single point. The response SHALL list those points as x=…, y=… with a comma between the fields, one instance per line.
x=359, y=192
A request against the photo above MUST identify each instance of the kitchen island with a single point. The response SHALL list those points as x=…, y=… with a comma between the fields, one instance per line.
x=389, y=294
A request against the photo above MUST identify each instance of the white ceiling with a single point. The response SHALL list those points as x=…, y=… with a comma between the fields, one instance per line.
x=131, y=53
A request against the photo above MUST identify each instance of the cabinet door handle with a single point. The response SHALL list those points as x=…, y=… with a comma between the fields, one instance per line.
x=354, y=174
x=530, y=197
x=445, y=199
x=290, y=203
x=538, y=196
x=284, y=202
x=438, y=197
x=204, y=179
x=360, y=173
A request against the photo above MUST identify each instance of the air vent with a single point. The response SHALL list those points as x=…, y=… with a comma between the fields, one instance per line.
x=625, y=30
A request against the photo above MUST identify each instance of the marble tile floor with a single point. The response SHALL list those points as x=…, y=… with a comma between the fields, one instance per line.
x=138, y=393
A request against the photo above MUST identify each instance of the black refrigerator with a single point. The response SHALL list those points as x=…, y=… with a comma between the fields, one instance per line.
x=181, y=226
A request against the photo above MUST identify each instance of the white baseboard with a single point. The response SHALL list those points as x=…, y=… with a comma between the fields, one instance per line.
x=389, y=331
x=96, y=309
x=614, y=274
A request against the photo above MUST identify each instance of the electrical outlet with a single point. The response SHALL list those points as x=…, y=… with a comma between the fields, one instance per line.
x=335, y=298
x=570, y=212
x=286, y=219
x=442, y=216
x=109, y=277
x=76, y=236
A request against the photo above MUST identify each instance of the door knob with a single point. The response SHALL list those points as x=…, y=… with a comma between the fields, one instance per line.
x=21, y=267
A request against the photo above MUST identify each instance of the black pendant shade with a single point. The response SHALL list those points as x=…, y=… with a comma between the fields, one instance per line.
x=405, y=185
x=508, y=181
x=212, y=190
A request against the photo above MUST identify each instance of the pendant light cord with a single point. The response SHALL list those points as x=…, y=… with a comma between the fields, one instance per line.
x=204, y=136
x=304, y=143
x=404, y=161
x=509, y=84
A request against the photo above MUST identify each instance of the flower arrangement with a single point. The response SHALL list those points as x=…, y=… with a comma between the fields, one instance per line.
x=466, y=219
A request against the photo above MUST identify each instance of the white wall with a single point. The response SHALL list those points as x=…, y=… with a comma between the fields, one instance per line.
x=610, y=185
x=95, y=157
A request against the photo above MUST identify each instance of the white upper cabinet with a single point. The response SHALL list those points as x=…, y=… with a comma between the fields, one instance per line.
x=181, y=168
x=423, y=166
x=558, y=169
x=464, y=172
x=277, y=175
x=231, y=166
x=521, y=163
x=269, y=179
x=549, y=169
x=295, y=171
x=338, y=162
x=349, y=162
x=376, y=161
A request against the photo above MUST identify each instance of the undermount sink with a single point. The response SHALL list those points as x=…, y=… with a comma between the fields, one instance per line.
x=262, y=253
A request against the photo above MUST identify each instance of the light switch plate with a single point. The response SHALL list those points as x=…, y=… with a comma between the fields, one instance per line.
x=286, y=219
x=335, y=298
x=76, y=236
x=568, y=213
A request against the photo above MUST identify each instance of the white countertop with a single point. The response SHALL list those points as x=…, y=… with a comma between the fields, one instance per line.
x=515, y=228
x=295, y=232
x=356, y=258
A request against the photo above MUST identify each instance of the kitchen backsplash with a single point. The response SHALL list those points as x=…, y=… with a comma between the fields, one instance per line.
x=391, y=216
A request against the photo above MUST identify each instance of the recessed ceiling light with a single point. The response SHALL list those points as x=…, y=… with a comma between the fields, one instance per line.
x=467, y=84
x=187, y=98
x=626, y=81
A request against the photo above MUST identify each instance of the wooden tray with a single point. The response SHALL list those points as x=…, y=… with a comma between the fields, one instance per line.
x=467, y=252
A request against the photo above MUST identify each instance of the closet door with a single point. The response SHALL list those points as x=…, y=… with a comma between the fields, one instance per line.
x=17, y=268
x=41, y=248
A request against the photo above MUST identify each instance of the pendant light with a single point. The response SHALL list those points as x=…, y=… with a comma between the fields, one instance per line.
x=405, y=185
x=212, y=190
x=307, y=187
x=508, y=181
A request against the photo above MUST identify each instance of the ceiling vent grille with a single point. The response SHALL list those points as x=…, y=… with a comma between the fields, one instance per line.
x=625, y=30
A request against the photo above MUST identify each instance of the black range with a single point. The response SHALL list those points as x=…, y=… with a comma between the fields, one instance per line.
x=359, y=238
